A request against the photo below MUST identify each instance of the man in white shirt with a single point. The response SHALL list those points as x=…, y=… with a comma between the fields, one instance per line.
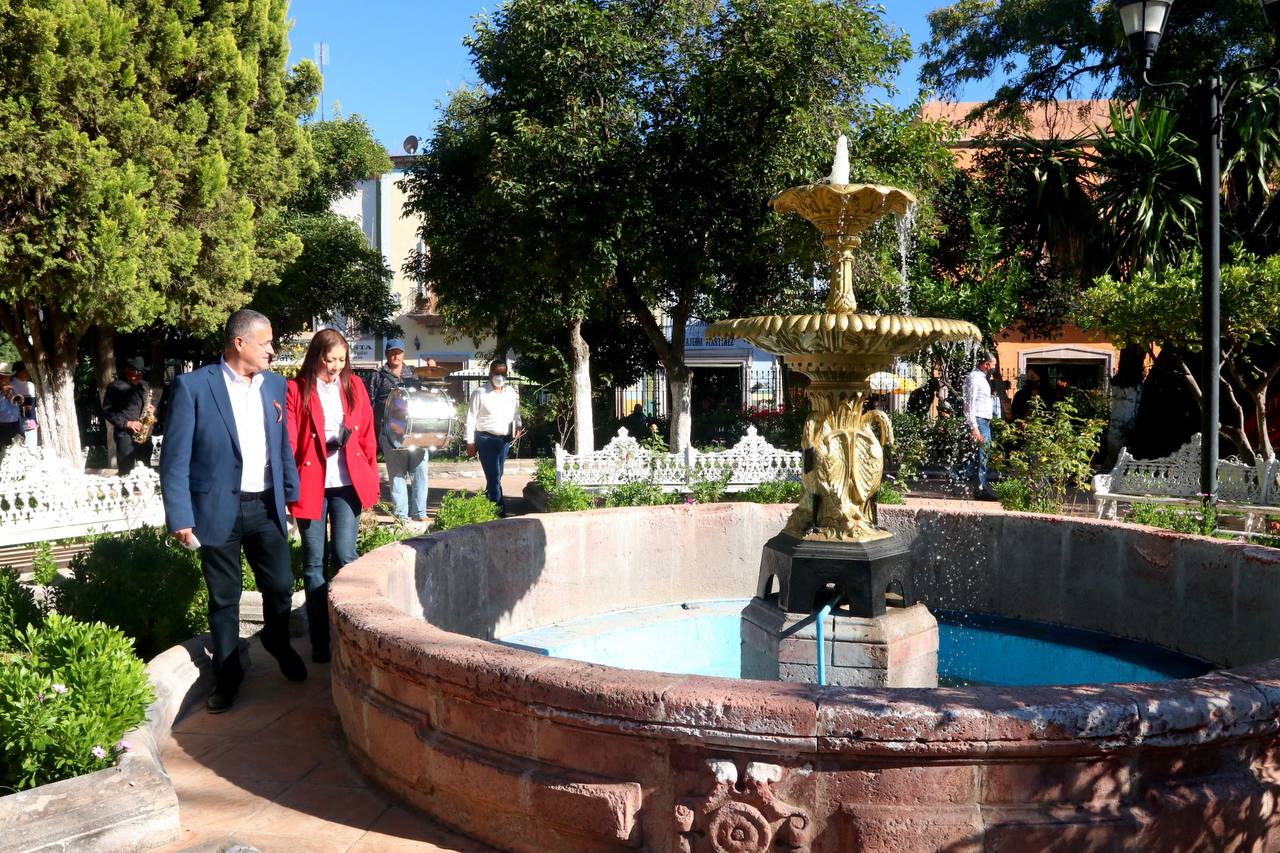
x=493, y=422
x=25, y=388
x=979, y=405
x=227, y=472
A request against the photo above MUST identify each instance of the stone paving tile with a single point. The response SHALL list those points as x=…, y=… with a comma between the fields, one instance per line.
x=272, y=773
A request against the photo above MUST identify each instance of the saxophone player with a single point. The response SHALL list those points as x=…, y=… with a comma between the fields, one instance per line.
x=128, y=407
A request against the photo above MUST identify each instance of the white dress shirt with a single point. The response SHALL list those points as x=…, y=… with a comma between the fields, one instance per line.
x=251, y=427
x=335, y=472
x=977, y=398
x=493, y=411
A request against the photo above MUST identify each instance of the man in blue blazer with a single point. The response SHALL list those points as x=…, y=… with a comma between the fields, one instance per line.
x=227, y=473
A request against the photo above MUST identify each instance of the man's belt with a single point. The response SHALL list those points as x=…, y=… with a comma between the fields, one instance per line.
x=246, y=497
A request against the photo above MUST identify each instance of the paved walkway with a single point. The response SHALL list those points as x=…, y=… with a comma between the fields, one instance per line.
x=272, y=774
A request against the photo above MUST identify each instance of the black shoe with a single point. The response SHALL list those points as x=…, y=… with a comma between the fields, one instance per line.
x=320, y=654
x=291, y=664
x=220, y=701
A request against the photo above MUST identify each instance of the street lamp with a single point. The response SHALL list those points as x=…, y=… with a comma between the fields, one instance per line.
x=1144, y=23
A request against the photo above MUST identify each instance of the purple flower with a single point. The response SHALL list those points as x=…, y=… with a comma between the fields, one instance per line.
x=59, y=689
x=690, y=500
x=124, y=746
x=39, y=697
x=99, y=753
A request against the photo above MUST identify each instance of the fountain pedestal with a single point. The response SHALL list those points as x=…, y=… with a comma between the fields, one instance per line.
x=897, y=649
x=810, y=572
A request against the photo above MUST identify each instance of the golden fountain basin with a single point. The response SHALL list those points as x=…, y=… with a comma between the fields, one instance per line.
x=843, y=209
x=844, y=334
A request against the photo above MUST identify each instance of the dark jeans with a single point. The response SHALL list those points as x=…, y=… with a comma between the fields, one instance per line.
x=129, y=454
x=492, y=450
x=981, y=453
x=267, y=550
x=341, y=508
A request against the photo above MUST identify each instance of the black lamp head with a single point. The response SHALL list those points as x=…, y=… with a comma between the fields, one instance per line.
x=1144, y=22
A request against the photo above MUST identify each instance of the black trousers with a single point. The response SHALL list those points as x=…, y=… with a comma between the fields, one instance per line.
x=267, y=551
x=129, y=454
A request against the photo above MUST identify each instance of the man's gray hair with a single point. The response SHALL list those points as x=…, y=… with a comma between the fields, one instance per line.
x=241, y=323
x=986, y=356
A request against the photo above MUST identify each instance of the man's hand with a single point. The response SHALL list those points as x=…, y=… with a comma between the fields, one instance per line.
x=471, y=448
x=976, y=434
x=151, y=410
x=185, y=535
x=133, y=426
x=519, y=433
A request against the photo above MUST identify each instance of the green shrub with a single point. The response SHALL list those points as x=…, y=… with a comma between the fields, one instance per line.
x=43, y=565
x=773, y=492
x=569, y=497
x=1016, y=496
x=1181, y=520
x=141, y=582
x=889, y=494
x=1048, y=452
x=655, y=441
x=68, y=694
x=638, y=493
x=544, y=472
x=709, y=485
x=374, y=535
x=458, y=509
x=18, y=607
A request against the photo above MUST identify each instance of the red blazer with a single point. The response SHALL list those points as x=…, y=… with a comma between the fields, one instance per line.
x=306, y=435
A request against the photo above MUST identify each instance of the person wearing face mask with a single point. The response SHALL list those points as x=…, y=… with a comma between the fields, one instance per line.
x=406, y=466
x=493, y=422
x=331, y=431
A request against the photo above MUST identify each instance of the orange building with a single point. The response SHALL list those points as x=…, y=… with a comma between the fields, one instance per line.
x=1084, y=359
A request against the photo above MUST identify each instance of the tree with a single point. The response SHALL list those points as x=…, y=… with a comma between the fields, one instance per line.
x=1161, y=308
x=627, y=149
x=337, y=274
x=1052, y=49
x=145, y=148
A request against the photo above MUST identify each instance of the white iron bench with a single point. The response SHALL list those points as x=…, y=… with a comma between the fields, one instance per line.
x=749, y=463
x=1250, y=490
x=44, y=497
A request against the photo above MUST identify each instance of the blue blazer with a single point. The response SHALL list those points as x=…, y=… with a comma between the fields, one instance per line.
x=200, y=461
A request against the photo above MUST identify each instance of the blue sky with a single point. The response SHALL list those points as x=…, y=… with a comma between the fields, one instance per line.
x=393, y=60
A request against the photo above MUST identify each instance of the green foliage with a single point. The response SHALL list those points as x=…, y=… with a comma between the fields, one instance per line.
x=141, y=582
x=655, y=441
x=566, y=497
x=710, y=484
x=780, y=425
x=18, y=608
x=1017, y=496
x=1203, y=521
x=374, y=535
x=147, y=149
x=43, y=565
x=458, y=509
x=638, y=493
x=773, y=492
x=921, y=444
x=68, y=693
x=889, y=493
x=1048, y=452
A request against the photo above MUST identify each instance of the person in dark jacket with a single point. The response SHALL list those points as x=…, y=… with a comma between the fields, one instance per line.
x=127, y=405
x=406, y=466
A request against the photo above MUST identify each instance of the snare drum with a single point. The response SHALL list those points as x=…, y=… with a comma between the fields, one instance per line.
x=419, y=417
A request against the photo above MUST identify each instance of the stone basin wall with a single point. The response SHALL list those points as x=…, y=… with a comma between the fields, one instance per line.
x=532, y=753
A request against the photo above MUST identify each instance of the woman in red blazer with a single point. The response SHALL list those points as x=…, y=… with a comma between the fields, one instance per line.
x=331, y=430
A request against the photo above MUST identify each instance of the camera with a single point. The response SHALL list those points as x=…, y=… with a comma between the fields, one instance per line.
x=337, y=442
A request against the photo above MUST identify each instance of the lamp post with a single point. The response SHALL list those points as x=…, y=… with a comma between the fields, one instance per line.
x=1144, y=23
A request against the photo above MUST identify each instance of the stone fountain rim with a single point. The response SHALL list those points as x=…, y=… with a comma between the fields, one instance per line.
x=936, y=723
x=903, y=326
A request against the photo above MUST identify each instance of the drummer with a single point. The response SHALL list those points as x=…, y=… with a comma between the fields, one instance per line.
x=406, y=466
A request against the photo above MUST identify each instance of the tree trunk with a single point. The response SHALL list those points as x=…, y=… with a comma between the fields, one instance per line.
x=104, y=368
x=49, y=349
x=580, y=365
x=680, y=387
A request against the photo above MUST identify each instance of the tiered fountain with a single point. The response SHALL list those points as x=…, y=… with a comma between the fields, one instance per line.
x=832, y=558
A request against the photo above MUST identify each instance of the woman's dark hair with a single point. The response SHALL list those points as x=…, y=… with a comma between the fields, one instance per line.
x=323, y=341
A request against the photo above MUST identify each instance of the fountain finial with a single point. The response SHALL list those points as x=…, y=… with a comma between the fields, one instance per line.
x=840, y=165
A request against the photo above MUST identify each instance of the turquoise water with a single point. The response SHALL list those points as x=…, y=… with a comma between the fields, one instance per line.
x=702, y=638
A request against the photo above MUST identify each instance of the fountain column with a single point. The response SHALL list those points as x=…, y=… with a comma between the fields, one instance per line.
x=832, y=552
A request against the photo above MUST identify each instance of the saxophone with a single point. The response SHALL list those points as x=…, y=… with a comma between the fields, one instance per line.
x=146, y=419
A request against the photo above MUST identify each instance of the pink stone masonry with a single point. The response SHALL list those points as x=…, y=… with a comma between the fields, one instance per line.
x=531, y=753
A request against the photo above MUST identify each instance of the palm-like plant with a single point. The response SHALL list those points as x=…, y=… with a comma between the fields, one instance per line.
x=1148, y=188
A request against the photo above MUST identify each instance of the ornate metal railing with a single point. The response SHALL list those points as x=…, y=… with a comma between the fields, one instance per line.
x=624, y=460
